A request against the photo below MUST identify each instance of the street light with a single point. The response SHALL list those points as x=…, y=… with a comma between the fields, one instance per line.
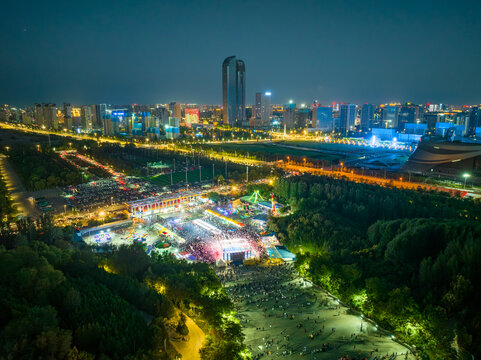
x=465, y=176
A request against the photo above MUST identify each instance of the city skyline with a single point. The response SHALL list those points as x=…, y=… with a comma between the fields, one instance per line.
x=328, y=51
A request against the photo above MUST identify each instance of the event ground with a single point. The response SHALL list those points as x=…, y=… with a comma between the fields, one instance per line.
x=275, y=301
x=197, y=233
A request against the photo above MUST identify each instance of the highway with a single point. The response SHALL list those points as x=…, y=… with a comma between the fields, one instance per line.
x=401, y=183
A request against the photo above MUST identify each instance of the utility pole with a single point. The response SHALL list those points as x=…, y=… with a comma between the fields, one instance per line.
x=200, y=173
x=247, y=174
x=171, y=178
x=213, y=172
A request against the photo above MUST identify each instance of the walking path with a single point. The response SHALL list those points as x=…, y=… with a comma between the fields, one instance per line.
x=190, y=349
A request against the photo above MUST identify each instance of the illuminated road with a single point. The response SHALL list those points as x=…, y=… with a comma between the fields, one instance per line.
x=402, y=184
x=173, y=147
x=16, y=189
x=190, y=349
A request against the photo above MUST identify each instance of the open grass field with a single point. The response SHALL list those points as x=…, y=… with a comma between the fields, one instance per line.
x=275, y=150
x=179, y=177
x=320, y=150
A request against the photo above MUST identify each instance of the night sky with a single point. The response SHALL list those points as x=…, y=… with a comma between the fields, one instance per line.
x=122, y=52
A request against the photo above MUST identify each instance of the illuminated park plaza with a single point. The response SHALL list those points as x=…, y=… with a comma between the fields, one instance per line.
x=282, y=314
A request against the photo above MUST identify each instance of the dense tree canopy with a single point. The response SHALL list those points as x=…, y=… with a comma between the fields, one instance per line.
x=41, y=168
x=408, y=259
x=64, y=302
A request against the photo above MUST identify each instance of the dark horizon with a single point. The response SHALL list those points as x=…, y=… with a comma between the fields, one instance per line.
x=147, y=52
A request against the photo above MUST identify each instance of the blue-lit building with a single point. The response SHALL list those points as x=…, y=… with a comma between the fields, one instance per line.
x=390, y=116
x=322, y=118
x=474, y=120
x=234, y=92
x=415, y=128
x=407, y=114
x=383, y=134
x=347, y=117
x=367, y=116
x=172, y=129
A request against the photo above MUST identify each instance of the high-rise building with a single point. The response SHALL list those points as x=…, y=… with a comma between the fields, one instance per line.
x=302, y=118
x=347, y=117
x=162, y=114
x=97, y=115
x=408, y=114
x=390, y=116
x=367, y=116
x=191, y=116
x=172, y=129
x=234, y=92
x=107, y=125
x=67, y=116
x=431, y=118
x=322, y=118
x=86, y=117
x=175, y=110
x=263, y=109
x=289, y=116
x=474, y=119
x=38, y=115
x=46, y=115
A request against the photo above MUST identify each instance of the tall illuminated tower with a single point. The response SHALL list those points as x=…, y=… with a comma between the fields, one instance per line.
x=234, y=92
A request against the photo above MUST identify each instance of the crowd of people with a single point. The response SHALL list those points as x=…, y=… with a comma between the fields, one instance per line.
x=209, y=247
x=285, y=315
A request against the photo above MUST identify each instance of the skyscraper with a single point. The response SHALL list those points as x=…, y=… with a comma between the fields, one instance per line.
x=234, y=92
x=322, y=118
x=407, y=114
x=289, y=115
x=263, y=109
x=46, y=115
x=347, y=117
x=390, y=116
x=67, y=116
x=367, y=116
x=474, y=120
x=86, y=117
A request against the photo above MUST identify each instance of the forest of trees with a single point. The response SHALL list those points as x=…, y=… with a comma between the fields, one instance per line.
x=61, y=301
x=42, y=168
x=6, y=203
x=409, y=260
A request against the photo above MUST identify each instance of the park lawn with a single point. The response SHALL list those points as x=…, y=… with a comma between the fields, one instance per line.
x=179, y=177
x=274, y=150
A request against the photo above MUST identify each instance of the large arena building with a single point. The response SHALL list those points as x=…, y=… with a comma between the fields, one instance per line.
x=435, y=154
